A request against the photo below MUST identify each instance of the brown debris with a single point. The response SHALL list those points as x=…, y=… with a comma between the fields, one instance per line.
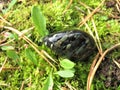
x=110, y=72
x=110, y=3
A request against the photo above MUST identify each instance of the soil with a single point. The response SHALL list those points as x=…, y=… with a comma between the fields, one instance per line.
x=110, y=73
x=115, y=9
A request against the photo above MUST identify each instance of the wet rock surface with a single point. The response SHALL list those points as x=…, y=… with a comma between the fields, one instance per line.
x=76, y=45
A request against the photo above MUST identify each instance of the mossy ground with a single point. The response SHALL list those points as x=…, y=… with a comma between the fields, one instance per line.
x=31, y=75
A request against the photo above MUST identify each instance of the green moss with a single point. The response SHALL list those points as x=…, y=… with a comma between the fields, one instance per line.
x=20, y=17
x=32, y=75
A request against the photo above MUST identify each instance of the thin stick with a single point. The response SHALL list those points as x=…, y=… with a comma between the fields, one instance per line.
x=79, y=9
x=89, y=30
x=97, y=37
x=98, y=63
x=118, y=2
x=6, y=43
x=117, y=8
x=23, y=32
x=33, y=45
x=10, y=68
x=46, y=54
x=68, y=6
x=5, y=21
x=27, y=30
x=22, y=86
x=69, y=86
x=118, y=65
x=90, y=15
x=1, y=68
x=86, y=6
x=91, y=68
x=114, y=17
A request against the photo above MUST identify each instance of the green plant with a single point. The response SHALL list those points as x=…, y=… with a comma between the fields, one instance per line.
x=26, y=69
x=39, y=21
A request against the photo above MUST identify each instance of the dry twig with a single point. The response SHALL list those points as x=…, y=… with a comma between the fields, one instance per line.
x=90, y=15
x=97, y=37
x=93, y=71
x=68, y=6
x=118, y=2
x=33, y=45
x=3, y=20
x=10, y=68
x=118, y=64
x=1, y=68
x=22, y=86
x=117, y=8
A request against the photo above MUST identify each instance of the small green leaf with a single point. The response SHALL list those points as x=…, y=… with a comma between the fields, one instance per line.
x=12, y=54
x=67, y=64
x=7, y=48
x=31, y=56
x=66, y=73
x=39, y=21
x=48, y=83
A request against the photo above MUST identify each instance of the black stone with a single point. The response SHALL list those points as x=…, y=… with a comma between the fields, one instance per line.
x=73, y=44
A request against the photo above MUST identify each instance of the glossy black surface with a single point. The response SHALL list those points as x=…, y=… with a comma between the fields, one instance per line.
x=75, y=45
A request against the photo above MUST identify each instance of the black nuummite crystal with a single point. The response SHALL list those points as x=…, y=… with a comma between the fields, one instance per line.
x=73, y=44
